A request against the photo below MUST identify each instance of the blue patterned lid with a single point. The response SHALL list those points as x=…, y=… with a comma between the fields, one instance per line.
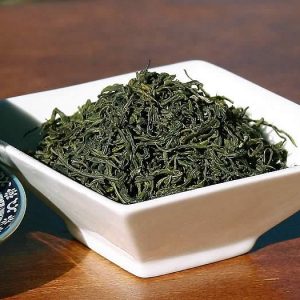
x=12, y=203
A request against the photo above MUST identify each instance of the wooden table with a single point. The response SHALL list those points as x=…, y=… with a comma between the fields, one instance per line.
x=53, y=44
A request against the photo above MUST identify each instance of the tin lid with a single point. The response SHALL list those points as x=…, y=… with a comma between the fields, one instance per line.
x=12, y=203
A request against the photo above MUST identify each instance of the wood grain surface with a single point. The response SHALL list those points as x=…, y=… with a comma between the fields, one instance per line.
x=57, y=43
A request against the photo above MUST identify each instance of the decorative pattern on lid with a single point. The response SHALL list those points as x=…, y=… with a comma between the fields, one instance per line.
x=12, y=204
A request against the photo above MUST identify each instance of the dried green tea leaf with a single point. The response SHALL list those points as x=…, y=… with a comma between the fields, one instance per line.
x=157, y=136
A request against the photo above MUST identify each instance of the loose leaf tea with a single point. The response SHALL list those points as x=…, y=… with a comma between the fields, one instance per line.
x=157, y=136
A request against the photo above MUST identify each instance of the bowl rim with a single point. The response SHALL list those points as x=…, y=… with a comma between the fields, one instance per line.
x=172, y=198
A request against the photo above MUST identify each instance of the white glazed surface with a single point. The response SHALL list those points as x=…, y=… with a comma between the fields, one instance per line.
x=179, y=231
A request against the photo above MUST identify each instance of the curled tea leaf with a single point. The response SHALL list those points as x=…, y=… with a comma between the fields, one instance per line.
x=156, y=136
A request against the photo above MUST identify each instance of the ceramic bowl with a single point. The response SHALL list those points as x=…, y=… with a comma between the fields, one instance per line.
x=175, y=232
x=12, y=203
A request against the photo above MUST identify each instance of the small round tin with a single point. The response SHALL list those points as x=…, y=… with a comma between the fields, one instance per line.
x=12, y=203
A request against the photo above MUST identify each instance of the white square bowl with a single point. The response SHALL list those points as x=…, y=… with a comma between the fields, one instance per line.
x=175, y=232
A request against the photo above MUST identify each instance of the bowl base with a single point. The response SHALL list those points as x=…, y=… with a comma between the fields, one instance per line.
x=145, y=269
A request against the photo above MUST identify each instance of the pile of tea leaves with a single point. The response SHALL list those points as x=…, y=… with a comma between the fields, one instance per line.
x=157, y=136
